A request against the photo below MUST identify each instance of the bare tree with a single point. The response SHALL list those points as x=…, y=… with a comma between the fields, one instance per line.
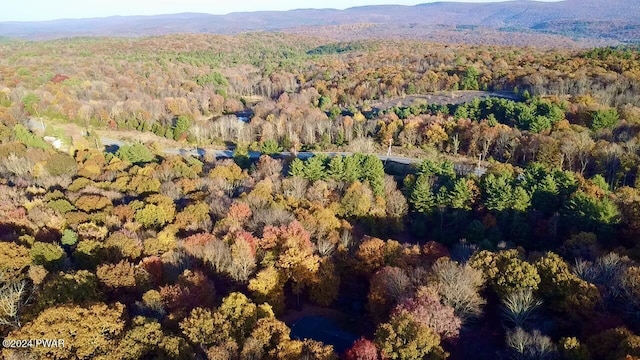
x=243, y=261
x=362, y=145
x=396, y=204
x=482, y=139
x=568, y=149
x=396, y=282
x=171, y=189
x=583, y=146
x=267, y=167
x=16, y=165
x=295, y=187
x=13, y=297
x=218, y=255
x=523, y=345
x=506, y=143
x=606, y=272
x=459, y=286
x=346, y=238
x=325, y=246
x=519, y=308
x=263, y=216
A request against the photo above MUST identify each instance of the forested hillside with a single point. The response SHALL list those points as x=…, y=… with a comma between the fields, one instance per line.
x=524, y=22
x=514, y=235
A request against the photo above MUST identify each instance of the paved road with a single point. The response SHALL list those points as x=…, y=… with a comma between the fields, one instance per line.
x=460, y=168
x=35, y=124
x=254, y=155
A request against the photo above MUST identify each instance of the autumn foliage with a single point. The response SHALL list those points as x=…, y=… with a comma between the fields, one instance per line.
x=508, y=230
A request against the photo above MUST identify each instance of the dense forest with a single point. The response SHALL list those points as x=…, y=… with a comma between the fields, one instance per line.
x=128, y=252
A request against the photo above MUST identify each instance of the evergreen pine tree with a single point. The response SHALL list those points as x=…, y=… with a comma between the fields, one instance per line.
x=373, y=172
x=314, y=168
x=181, y=127
x=296, y=168
x=422, y=197
x=521, y=199
x=336, y=168
x=460, y=196
x=352, y=168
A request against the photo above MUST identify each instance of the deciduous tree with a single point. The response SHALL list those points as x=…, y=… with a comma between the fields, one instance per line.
x=403, y=338
x=325, y=286
x=362, y=349
x=427, y=309
x=117, y=276
x=268, y=287
x=388, y=286
x=459, y=287
x=506, y=271
x=357, y=200
x=95, y=331
x=50, y=256
x=14, y=259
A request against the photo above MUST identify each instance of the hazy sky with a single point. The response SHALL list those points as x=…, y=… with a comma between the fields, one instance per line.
x=30, y=10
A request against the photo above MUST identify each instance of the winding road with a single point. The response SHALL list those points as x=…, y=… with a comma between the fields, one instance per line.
x=461, y=168
x=455, y=97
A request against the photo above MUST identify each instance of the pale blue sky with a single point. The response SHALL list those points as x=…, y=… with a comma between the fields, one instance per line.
x=32, y=10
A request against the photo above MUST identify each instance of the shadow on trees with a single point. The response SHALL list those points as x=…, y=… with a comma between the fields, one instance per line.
x=493, y=230
x=112, y=149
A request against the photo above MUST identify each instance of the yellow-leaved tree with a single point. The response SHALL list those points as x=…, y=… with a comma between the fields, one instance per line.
x=88, y=332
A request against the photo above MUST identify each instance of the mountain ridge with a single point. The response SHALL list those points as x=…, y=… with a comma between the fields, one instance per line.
x=617, y=20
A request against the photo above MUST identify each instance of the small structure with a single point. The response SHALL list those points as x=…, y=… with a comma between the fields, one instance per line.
x=55, y=142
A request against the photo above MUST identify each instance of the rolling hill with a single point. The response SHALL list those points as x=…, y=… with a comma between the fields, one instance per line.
x=614, y=21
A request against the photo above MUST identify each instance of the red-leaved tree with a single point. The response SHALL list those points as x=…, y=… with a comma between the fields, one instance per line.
x=362, y=349
x=427, y=309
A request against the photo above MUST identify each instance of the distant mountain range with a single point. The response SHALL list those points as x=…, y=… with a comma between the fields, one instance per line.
x=613, y=20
